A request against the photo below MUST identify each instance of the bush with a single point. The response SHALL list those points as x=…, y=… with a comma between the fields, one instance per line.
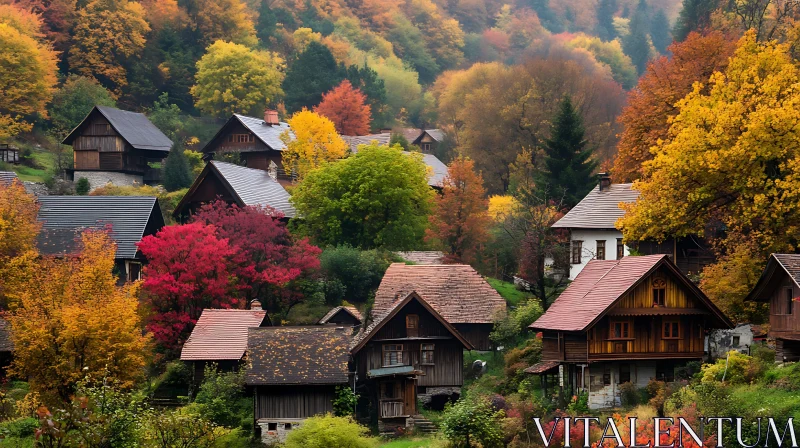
x=345, y=402
x=221, y=399
x=738, y=368
x=20, y=428
x=520, y=358
x=352, y=274
x=579, y=405
x=176, y=429
x=657, y=392
x=177, y=172
x=330, y=431
x=511, y=329
x=688, y=371
x=471, y=421
x=629, y=394
x=82, y=186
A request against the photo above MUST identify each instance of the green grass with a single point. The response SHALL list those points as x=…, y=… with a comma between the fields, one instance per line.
x=508, y=291
x=414, y=442
x=46, y=163
x=768, y=401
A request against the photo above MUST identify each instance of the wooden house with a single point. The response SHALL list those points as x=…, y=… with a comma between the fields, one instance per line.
x=409, y=352
x=347, y=316
x=117, y=146
x=130, y=218
x=620, y=321
x=293, y=373
x=429, y=140
x=456, y=291
x=9, y=154
x=779, y=286
x=220, y=337
x=236, y=185
x=594, y=236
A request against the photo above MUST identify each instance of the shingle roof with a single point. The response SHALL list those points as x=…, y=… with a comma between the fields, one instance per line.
x=599, y=209
x=255, y=187
x=787, y=263
x=297, y=355
x=456, y=291
x=6, y=177
x=422, y=256
x=435, y=134
x=542, y=367
x=439, y=170
x=221, y=334
x=348, y=309
x=354, y=141
x=134, y=127
x=269, y=135
x=65, y=217
x=598, y=286
x=6, y=343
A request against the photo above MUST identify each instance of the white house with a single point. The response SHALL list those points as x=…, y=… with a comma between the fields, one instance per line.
x=591, y=225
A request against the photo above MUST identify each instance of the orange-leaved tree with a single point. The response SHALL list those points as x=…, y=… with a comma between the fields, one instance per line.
x=346, y=107
x=460, y=220
x=18, y=230
x=74, y=321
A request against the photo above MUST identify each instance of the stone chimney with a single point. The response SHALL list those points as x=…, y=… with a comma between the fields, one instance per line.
x=605, y=181
x=272, y=171
x=255, y=305
x=271, y=117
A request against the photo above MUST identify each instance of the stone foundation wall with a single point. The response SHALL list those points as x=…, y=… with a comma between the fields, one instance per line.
x=274, y=431
x=99, y=179
x=430, y=392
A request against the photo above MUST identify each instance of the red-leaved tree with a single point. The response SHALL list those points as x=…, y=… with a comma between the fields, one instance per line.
x=189, y=268
x=346, y=107
x=268, y=262
x=460, y=221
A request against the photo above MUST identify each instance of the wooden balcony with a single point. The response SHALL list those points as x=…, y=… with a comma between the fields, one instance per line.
x=392, y=408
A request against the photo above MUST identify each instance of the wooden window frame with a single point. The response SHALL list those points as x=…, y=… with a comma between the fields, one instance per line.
x=788, y=304
x=576, y=251
x=620, y=378
x=426, y=354
x=395, y=348
x=659, y=289
x=412, y=325
x=601, y=250
x=669, y=322
x=620, y=249
x=426, y=147
x=611, y=327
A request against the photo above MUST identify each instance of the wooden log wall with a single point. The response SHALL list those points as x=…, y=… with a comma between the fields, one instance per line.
x=293, y=401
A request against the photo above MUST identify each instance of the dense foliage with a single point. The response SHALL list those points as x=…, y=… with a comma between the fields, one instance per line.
x=326, y=430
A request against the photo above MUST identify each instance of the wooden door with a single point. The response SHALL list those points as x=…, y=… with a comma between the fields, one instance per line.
x=410, y=397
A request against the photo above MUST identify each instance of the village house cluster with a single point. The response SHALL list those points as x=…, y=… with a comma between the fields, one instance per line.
x=630, y=314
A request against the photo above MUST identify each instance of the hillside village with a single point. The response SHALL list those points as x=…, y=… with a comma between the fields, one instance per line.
x=402, y=224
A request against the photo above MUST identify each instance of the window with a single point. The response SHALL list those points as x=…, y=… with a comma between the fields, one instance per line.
x=620, y=330
x=426, y=147
x=672, y=329
x=426, y=357
x=606, y=375
x=736, y=341
x=659, y=292
x=392, y=355
x=412, y=325
x=272, y=426
x=577, y=248
x=241, y=138
x=789, y=297
x=287, y=426
x=601, y=250
x=620, y=249
x=624, y=374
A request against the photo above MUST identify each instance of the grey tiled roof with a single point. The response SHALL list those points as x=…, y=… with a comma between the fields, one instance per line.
x=791, y=264
x=435, y=134
x=599, y=209
x=270, y=135
x=134, y=127
x=439, y=170
x=354, y=141
x=6, y=177
x=65, y=217
x=255, y=187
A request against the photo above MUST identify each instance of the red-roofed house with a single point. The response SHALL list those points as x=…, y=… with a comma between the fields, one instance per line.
x=456, y=291
x=626, y=320
x=220, y=336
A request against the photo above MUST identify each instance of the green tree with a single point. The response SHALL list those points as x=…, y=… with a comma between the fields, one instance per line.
x=267, y=22
x=605, y=19
x=659, y=31
x=352, y=274
x=82, y=186
x=636, y=44
x=472, y=422
x=366, y=79
x=177, y=173
x=378, y=197
x=694, y=16
x=313, y=73
x=232, y=78
x=325, y=431
x=74, y=100
x=166, y=116
x=568, y=165
x=409, y=43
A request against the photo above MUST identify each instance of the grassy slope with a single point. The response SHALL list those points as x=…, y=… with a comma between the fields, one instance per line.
x=415, y=442
x=509, y=292
x=44, y=159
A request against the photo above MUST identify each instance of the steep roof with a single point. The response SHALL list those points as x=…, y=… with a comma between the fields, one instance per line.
x=221, y=334
x=134, y=127
x=600, y=284
x=65, y=217
x=422, y=256
x=314, y=355
x=6, y=343
x=383, y=316
x=6, y=177
x=599, y=209
x=267, y=134
x=438, y=169
x=435, y=134
x=456, y=291
x=355, y=140
x=347, y=309
x=776, y=263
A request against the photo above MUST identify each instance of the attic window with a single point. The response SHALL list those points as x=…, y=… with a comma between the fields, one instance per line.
x=412, y=325
x=241, y=138
x=659, y=292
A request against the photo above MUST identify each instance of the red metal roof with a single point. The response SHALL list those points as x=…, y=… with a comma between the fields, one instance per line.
x=221, y=335
x=599, y=285
x=456, y=291
x=542, y=367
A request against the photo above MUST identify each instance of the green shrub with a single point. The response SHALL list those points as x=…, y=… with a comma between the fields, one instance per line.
x=177, y=172
x=737, y=368
x=21, y=427
x=352, y=274
x=688, y=371
x=170, y=429
x=510, y=329
x=82, y=186
x=471, y=421
x=579, y=405
x=345, y=402
x=629, y=394
x=221, y=399
x=330, y=431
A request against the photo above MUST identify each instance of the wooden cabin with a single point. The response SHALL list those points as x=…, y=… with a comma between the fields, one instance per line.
x=234, y=184
x=117, y=146
x=456, y=291
x=347, y=316
x=779, y=286
x=620, y=321
x=129, y=218
x=293, y=373
x=408, y=353
x=220, y=337
x=429, y=140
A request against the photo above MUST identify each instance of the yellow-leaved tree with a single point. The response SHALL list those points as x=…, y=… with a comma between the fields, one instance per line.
x=107, y=34
x=28, y=72
x=18, y=230
x=73, y=321
x=311, y=142
x=732, y=163
x=232, y=78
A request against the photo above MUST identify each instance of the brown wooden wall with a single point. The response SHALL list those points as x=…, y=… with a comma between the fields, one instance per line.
x=293, y=401
x=221, y=143
x=476, y=334
x=642, y=295
x=647, y=336
x=782, y=323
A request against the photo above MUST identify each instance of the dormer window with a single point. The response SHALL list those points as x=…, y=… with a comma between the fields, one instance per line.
x=659, y=292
